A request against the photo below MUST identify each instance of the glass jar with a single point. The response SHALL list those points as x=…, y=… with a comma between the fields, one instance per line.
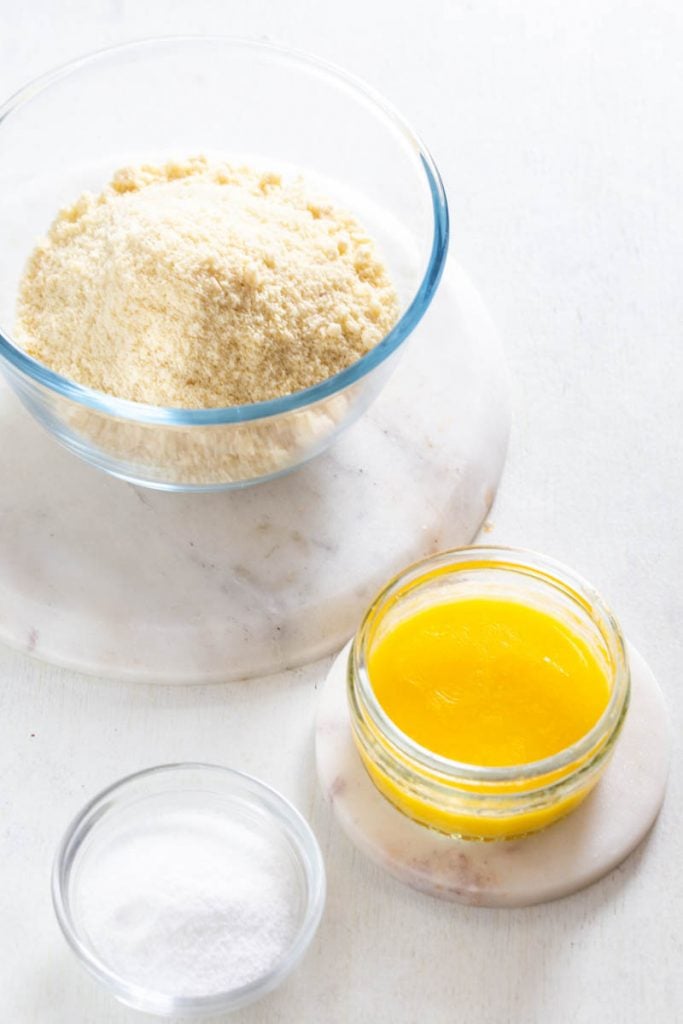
x=467, y=800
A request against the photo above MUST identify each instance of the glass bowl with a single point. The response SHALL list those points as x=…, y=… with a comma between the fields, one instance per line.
x=468, y=800
x=201, y=803
x=246, y=101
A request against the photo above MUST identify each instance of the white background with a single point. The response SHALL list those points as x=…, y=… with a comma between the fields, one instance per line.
x=558, y=128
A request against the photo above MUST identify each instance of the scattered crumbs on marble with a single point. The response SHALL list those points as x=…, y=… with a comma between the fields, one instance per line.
x=488, y=526
x=32, y=735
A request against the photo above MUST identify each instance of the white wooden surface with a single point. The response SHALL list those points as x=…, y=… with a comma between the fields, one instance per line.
x=559, y=130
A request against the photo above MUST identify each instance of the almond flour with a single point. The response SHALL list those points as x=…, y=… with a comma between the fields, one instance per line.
x=201, y=285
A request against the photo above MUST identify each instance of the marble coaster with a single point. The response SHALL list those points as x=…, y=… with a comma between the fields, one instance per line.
x=107, y=578
x=566, y=857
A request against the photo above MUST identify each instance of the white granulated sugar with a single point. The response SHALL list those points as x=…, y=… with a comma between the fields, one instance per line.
x=190, y=905
x=200, y=285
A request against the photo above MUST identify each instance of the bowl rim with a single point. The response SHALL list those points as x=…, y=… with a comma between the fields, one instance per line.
x=274, y=806
x=411, y=316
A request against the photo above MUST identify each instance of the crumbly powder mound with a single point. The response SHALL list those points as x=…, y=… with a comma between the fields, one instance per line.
x=199, y=284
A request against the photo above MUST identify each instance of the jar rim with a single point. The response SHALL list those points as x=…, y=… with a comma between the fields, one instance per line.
x=515, y=560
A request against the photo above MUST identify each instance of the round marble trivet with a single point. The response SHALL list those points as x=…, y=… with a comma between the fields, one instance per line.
x=108, y=578
x=560, y=860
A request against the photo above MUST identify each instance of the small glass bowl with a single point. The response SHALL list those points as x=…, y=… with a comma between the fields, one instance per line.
x=471, y=801
x=153, y=796
x=248, y=102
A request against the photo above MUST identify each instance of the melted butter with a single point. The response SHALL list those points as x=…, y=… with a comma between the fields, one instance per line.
x=488, y=681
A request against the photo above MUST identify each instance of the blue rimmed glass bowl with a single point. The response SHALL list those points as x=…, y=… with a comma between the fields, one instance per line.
x=244, y=100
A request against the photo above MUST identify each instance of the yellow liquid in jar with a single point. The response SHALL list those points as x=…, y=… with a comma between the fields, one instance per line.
x=488, y=682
